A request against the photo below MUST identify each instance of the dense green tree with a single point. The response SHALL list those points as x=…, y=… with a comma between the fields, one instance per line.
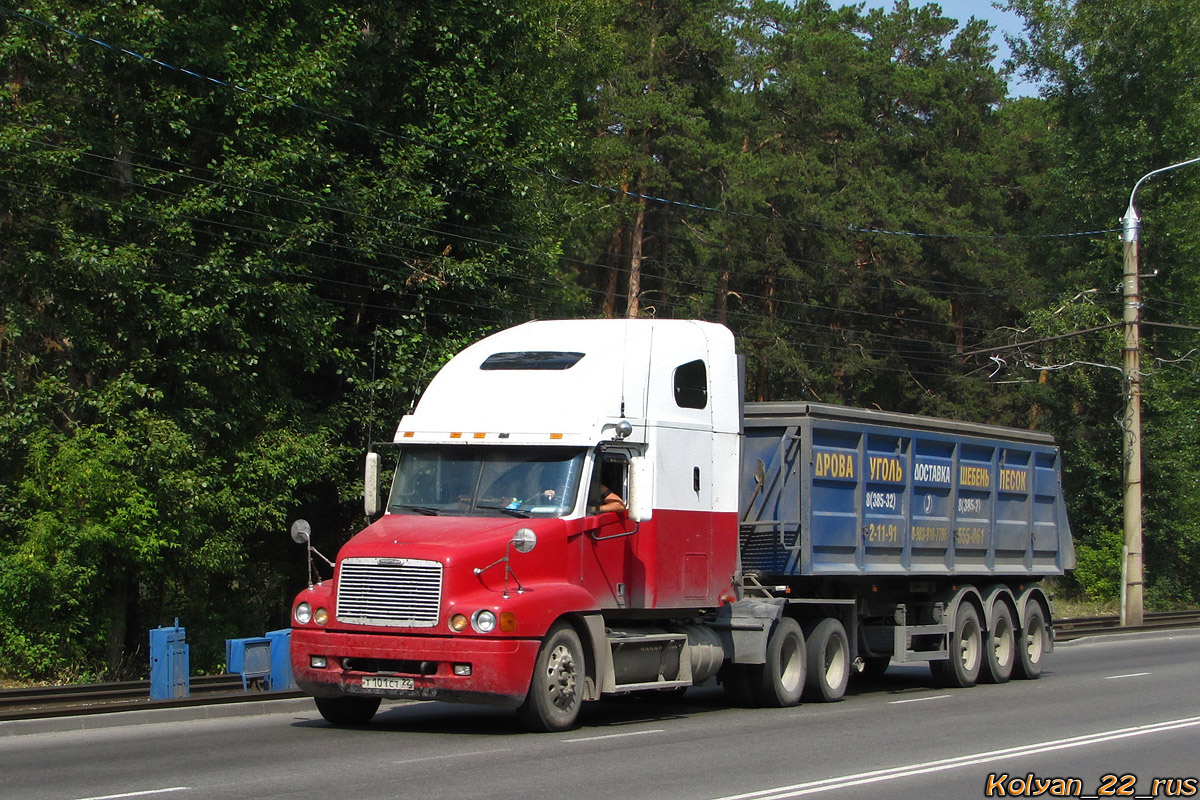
x=223, y=270
x=1120, y=84
x=862, y=161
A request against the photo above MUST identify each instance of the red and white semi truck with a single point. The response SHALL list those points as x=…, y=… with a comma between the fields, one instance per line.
x=777, y=546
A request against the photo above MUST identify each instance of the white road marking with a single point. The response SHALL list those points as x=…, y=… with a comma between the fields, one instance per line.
x=879, y=776
x=145, y=793
x=917, y=699
x=1128, y=675
x=613, y=736
x=452, y=755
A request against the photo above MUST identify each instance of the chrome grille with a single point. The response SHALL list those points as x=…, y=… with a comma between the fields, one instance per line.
x=398, y=592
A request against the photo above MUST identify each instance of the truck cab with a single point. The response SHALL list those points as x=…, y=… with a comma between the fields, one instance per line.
x=493, y=546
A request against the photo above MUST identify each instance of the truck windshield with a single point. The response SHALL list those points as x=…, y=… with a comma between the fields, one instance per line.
x=486, y=481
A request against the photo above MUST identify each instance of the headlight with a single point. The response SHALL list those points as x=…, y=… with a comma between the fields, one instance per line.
x=303, y=613
x=483, y=621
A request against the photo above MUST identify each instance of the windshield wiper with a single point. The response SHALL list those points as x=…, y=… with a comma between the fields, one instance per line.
x=515, y=512
x=426, y=510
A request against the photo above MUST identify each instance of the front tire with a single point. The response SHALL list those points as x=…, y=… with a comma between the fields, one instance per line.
x=556, y=690
x=347, y=710
x=962, y=667
x=780, y=682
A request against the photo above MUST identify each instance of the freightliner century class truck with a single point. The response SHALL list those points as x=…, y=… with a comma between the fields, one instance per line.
x=776, y=546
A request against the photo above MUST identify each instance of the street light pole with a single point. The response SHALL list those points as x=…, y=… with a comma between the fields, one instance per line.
x=1132, y=573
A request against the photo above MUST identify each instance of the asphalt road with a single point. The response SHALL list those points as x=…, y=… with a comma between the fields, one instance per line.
x=1114, y=713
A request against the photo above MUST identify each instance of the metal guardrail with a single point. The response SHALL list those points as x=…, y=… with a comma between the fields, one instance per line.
x=97, y=698
x=1076, y=627
x=38, y=702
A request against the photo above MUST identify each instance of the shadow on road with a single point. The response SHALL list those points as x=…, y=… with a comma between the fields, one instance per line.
x=614, y=712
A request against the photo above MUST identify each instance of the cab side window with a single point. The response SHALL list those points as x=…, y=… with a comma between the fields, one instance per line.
x=612, y=477
x=691, y=385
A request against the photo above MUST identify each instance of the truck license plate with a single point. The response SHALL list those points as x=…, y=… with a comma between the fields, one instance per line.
x=394, y=684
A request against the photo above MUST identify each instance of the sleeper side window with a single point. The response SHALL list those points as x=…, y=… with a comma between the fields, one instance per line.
x=691, y=385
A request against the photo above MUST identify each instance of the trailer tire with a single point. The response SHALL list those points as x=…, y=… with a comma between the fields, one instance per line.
x=1000, y=651
x=347, y=710
x=779, y=683
x=828, y=664
x=556, y=689
x=961, y=669
x=1032, y=644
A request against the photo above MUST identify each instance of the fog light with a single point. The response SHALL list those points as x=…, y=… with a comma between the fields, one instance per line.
x=458, y=623
x=483, y=621
x=303, y=613
x=321, y=617
x=317, y=662
x=462, y=670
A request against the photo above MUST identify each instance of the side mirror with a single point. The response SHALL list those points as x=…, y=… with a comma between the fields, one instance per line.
x=302, y=534
x=301, y=531
x=640, y=503
x=524, y=540
x=371, y=485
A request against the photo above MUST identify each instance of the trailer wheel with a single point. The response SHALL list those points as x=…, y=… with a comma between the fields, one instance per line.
x=828, y=664
x=347, y=710
x=1033, y=643
x=961, y=668
x=556, y=690
x=780, y=682
x=1001, y=649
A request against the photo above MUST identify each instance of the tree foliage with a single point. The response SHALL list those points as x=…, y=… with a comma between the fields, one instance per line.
x=1120, y=84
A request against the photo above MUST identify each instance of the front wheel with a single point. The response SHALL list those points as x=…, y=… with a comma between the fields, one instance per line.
x=556, y=690
x=347, y=710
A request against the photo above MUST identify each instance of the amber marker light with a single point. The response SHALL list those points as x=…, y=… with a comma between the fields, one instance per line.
x=508, y=621
x=459, y=623
x=321, y=616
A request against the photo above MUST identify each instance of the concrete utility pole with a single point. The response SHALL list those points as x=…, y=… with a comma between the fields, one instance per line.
x=1132, y=575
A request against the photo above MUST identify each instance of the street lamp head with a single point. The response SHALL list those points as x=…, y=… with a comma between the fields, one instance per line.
x=1131, y=224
